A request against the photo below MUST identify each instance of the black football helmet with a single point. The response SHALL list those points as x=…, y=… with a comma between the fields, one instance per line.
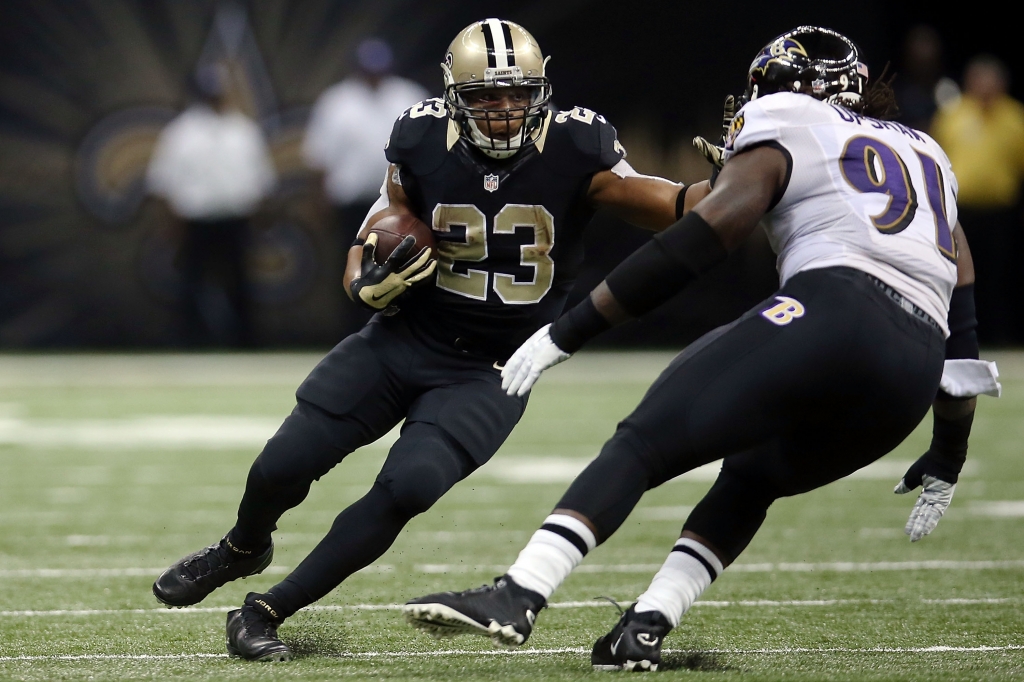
x=816, y=61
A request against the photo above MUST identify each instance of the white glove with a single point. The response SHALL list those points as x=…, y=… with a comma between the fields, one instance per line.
x=533, y=357
x=931, y=504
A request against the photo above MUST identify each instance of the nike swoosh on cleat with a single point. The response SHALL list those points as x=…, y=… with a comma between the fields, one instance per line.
x=615, y=647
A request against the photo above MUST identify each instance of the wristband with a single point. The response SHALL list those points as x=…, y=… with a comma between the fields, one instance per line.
x=580, y=324
x=680, y=201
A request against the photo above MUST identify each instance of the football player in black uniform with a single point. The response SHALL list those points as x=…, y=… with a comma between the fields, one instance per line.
x=803, y=389
x=508, y=187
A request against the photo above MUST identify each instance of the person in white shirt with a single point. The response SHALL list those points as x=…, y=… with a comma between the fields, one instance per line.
x=213, y=168
x=348, y=128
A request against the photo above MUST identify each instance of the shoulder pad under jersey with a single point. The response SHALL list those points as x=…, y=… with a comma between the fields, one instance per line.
x=767, y=119
x=419, y=139
x=580, y=141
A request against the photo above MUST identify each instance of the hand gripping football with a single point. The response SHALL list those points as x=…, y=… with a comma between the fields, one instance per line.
x=392, y=229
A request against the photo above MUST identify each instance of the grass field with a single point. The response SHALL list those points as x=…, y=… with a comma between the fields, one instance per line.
x=113, y=466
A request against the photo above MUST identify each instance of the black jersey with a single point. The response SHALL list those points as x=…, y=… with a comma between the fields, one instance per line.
x=509, y=232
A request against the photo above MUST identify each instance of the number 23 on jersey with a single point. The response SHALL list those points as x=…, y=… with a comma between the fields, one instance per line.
x=473, y=248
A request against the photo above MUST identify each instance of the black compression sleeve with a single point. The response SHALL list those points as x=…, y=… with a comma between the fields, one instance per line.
x=948, y=450
x=658, y=270
x=574, y=328
x=963, y=324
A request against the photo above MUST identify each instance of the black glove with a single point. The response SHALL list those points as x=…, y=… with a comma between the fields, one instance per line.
x=379, y=285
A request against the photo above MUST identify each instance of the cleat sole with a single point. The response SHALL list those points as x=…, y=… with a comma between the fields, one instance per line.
x=443, y=621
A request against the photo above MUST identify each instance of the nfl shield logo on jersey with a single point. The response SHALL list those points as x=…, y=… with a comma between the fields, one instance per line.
x=490, y=182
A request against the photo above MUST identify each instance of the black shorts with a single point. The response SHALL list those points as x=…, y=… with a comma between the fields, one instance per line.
x=814, y=383
x=385, y=373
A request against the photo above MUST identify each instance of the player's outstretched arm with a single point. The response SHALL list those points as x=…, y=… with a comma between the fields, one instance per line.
x=646, y=201
x=964, y=377
x=661, y=268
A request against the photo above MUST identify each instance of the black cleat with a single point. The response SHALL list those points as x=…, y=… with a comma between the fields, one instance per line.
x=634, y=644
x=253, y=636
x=504, y=611
x=189, y=580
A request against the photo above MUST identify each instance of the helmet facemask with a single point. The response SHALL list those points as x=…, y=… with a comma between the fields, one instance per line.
x=494, y=129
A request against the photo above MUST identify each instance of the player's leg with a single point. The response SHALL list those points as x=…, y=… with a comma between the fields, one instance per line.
x=313, y=439
x=888, y=384
x=448, y=433
x=744, y=386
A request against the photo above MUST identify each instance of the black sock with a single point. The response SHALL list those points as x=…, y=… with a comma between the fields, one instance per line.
x=245, y=546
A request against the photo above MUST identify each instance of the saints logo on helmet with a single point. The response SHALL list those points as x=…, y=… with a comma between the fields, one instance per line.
x=495, y=87
x=813, y=60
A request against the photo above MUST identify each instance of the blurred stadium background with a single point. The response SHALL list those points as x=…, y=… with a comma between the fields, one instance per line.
x=87, y=260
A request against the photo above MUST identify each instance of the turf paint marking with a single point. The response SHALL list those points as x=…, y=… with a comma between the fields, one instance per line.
x=836, y=566
x=527, y=469
x=540, y=652
x=755, y=603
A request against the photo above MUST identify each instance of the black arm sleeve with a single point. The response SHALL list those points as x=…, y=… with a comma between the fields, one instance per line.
x=650, y=276
x=963, y=325
x=660, y=269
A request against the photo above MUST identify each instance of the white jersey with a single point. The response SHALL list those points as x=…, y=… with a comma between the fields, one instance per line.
x=862, y=193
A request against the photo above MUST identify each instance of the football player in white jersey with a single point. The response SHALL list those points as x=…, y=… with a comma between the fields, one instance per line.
x=873, y=325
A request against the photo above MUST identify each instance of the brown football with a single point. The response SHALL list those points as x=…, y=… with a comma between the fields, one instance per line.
x=392, y=229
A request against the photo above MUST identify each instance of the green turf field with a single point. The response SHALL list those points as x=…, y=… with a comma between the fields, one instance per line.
x=111, y=467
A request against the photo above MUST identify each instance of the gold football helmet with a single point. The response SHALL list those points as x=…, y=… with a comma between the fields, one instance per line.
x=484, y=58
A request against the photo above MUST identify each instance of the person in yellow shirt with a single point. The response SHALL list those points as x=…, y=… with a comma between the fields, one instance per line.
x=983, y=134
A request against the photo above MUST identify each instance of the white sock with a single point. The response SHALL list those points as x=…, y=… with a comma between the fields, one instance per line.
x=686, y=573
x=551, y=554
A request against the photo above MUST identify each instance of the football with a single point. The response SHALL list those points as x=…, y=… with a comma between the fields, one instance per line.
x=392, y=229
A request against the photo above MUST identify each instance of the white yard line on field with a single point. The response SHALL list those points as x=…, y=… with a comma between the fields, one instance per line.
x=544, y=652
x=592, y=603
x=835, y=566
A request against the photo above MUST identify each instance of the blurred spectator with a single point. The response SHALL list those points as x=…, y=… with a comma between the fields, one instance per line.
x=213, y=168
x=983, y=134
x=921, y=85
x=348, y=128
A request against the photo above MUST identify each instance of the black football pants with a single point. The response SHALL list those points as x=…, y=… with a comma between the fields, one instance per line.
x=790, y=404
x=456, y=417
